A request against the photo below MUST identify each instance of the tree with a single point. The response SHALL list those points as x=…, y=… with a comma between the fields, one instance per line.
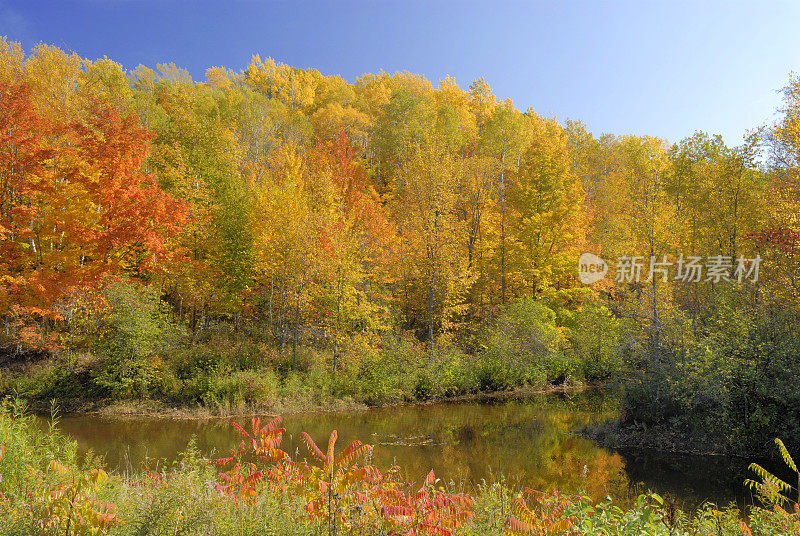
x=74, y=213
x=503, y=139
x=549, y=219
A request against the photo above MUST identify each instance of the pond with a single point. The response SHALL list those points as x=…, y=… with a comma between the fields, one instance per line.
x=527, y=442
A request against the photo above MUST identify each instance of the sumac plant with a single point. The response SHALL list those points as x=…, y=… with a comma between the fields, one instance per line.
x=335, y=485
x=59, y=500
x=426, y=511
x=541, y=514
x=340, y=490
x=257, y=457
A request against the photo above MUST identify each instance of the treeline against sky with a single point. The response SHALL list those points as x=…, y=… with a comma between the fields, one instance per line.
x=309, y=208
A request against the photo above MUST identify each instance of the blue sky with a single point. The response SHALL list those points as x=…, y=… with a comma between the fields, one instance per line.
x=660, y=68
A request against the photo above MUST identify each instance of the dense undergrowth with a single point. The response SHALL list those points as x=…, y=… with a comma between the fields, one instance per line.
x=135, y=353
x=725, y=383
x=260, y=489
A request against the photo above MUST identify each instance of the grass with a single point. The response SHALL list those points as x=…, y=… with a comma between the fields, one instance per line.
x=191, y=498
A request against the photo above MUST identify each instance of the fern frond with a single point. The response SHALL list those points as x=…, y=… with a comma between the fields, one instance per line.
x=272, y=425
x=431, y=478
x=240, y=430
x=524, y=513
x=220, y=462
x=346, y=452
x=255, y=477
x=273, y=455
x=515, y=526
x=396, y=511
x=562, y=525
x=766, y=475
x=271, y=439
x=433, y=529
x=457, y=519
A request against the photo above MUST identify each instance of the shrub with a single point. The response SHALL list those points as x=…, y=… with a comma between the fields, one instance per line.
x=523, y=346
x=594, y=337
x=135, y=335
x=136, y=377
x=27, y=445
x=137, y=327
x=249, y=387
x=729, y=388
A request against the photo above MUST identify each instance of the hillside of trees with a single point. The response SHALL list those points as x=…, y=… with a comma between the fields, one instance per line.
x=277, y=234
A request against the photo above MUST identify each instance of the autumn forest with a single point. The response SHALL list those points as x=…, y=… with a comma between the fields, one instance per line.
x=276, y=239
x=328, y=221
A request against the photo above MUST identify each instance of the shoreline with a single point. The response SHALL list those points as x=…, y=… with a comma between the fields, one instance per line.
x=157, y=409
x=619, y=437
x=609, y=434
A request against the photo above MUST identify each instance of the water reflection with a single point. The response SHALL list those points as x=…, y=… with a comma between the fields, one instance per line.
x=529, y=442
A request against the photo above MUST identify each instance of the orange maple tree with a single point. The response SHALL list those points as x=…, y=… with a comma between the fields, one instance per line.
x=75, y=207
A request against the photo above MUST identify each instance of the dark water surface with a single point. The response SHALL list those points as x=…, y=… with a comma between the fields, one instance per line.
x=528, y=441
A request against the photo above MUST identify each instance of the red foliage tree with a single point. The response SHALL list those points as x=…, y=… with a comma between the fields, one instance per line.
x=75, y=206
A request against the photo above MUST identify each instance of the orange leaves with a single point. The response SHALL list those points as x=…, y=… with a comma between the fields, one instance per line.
x=313, y=448
x=431, y=478
x=399, y=513
x=222, y=462
x=332, y=463
x=133, y=215
x=75, y=204
x=353, y=451
x=263, y=441
x=427, y=511
x=338, y=492
x=329, y=458
x=244, y=478
x=239, y=484
x=541, y=514
x=272, y=455
x=60, y=500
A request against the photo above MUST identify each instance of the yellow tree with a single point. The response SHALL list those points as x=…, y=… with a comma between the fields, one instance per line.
x=355, y=238
x=286, y=230
x=503, y=137
x=649, y=219
x=476, y=209
x=549, y=220
x=433, y=229
x=293, y=87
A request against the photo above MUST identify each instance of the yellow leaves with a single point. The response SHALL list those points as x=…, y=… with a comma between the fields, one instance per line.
x=545, y=516
x=373, y=92
x=294, y=87
x=11, y=59
x=61, y=499
x=333, y=117
x=222, y=78
x=54, y=77
x=57, y=467
x=482, y=100
x=97, y=477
